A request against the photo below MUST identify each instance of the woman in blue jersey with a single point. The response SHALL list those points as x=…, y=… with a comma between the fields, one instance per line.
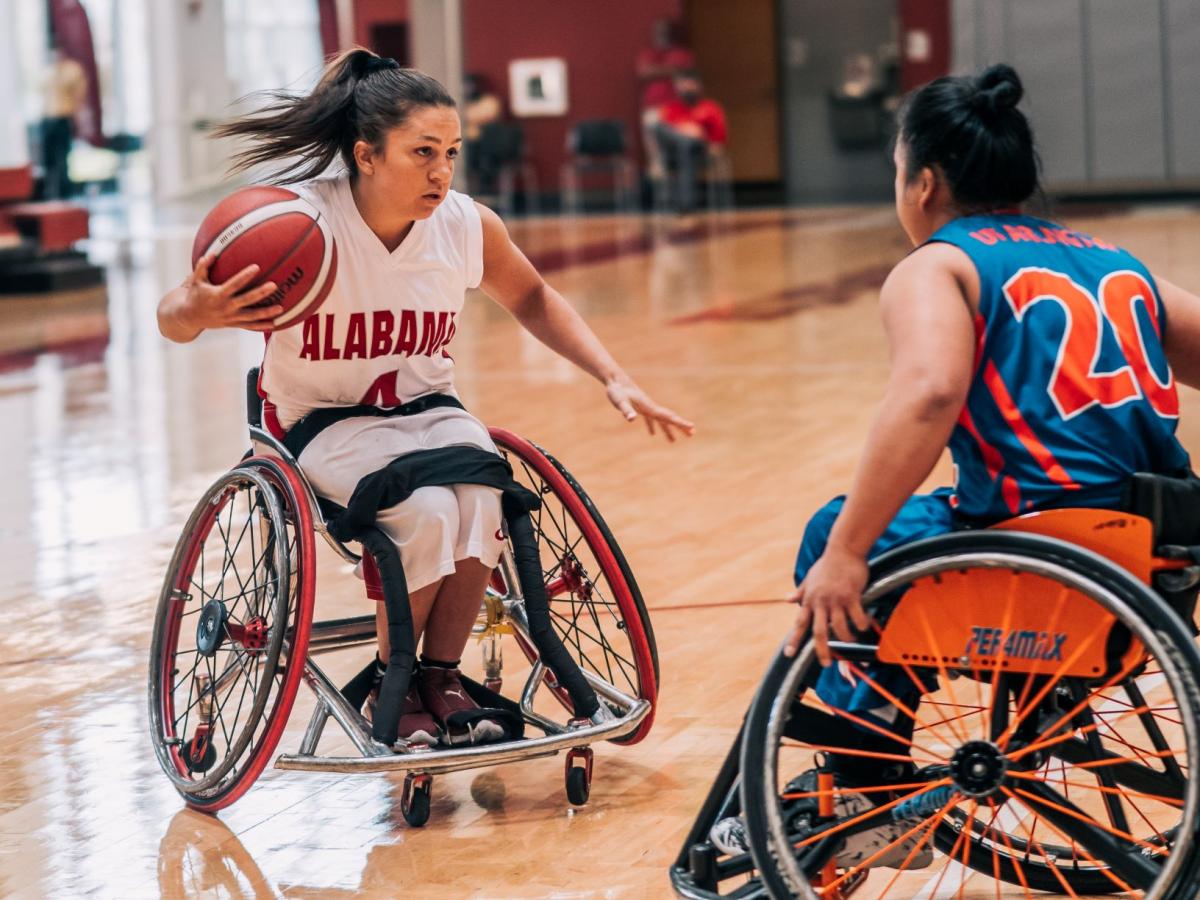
x=1040, y=355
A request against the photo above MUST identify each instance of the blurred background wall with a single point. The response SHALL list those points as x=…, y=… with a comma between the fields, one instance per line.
x=809, y=87
x=1111, y=85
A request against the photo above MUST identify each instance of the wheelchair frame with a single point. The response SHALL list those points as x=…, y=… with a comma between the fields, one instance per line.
x=375, y=757
x=1023, y=545
x=619, y=717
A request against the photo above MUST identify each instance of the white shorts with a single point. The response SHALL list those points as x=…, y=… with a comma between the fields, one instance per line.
x=436, y=526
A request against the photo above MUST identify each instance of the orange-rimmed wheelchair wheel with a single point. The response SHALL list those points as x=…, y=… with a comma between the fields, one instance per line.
x=231, y=632
x=595, y=605
x=1027, y=763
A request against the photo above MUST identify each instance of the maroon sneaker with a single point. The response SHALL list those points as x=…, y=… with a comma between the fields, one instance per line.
x=416, y=725
x=462, y=721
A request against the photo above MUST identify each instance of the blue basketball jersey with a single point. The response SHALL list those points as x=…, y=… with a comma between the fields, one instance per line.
x=1072, y=391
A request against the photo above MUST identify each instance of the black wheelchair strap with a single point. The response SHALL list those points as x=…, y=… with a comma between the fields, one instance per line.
x=402, y=656
x=443, y=466
x=302, y=433
x=395, y=483
x=1171, y=503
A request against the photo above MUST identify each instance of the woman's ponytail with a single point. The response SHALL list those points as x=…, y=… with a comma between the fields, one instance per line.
x=359, y=97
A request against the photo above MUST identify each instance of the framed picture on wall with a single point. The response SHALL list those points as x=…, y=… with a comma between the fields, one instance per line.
x=538, y=87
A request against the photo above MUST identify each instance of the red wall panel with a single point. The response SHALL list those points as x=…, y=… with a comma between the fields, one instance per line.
x=599, y=41
x=933, y=18
x=372, y=12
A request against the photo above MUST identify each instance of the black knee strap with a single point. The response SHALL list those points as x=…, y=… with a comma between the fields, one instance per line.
x=537, y=609
x=394, y=484
x=403, y=657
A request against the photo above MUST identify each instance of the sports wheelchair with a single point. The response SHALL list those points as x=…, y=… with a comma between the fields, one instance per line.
x=1054, y=747
x=234, y=636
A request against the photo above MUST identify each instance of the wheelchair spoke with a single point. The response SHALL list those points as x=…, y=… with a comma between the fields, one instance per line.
x=1081, y=832
x=1099, y=788
x=610, y=654
x=571, y=636
x=878, y=729
x=232, y=561
x=1051, y=860
x=918, y=683
x=845, y=824
x=1013, y=856
x=928, y=823
x=1041, y=794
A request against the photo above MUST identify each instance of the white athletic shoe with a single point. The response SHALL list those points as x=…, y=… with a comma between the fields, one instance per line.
x=729, y=836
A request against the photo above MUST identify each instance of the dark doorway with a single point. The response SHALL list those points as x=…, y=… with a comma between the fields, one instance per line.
x=391, y=39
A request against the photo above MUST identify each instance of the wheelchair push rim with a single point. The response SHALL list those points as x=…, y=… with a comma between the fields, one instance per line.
x=235, y=612
x=1086, y=788
x=595, y=604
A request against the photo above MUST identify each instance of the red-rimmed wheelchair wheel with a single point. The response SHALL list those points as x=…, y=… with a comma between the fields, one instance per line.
x=595, y=603
x=231, y=632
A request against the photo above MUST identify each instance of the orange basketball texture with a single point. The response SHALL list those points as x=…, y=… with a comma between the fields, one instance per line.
x=284, y=235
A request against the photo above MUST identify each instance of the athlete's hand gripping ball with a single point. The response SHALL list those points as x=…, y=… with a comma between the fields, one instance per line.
x=227, y=305
x=830, y=598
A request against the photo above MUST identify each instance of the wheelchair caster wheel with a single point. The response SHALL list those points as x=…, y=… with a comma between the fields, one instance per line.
x=493, y=684
x=579, y=775
x=414, y=803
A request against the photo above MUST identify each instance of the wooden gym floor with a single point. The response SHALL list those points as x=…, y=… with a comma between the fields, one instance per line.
x=761, y=326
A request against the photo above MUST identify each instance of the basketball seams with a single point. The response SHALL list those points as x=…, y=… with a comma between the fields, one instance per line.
x=286, y=258
x=248, y=220
x=300, y=309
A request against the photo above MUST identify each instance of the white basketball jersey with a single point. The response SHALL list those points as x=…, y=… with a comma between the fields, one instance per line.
x=380, y=337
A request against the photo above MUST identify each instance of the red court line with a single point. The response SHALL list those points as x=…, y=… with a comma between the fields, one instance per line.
x=718, y=604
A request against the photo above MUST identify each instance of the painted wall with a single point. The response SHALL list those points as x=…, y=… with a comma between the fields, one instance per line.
x=377, y=12
x=600, y=42
x=924, y=41
x=191, y=88
x=818, y=37
x=1110, y=85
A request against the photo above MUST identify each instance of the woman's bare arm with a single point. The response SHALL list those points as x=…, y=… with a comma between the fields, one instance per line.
x=1182, y=338
x=510, y=279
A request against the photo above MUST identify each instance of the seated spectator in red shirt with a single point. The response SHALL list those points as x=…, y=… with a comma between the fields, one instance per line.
x=691, y=128
x=658, y=64
x=657, y=67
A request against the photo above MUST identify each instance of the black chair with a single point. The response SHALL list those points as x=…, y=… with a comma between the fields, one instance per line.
x=599, y=145
x=501, y=150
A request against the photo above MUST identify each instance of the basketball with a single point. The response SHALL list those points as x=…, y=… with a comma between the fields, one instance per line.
x=284, y=235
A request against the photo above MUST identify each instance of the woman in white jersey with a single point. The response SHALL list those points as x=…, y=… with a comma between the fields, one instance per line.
x=408, y=249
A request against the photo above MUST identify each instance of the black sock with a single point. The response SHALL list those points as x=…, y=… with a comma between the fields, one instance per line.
x=430, y=663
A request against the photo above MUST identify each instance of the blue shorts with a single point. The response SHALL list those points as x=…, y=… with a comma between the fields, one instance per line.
x=922, y=516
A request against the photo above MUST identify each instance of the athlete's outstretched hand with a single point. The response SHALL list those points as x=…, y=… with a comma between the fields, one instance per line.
x=830, y=597
x=226, y=305
x=631, y=401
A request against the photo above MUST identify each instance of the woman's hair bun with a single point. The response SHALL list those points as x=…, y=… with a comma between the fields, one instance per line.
x=998, y=88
